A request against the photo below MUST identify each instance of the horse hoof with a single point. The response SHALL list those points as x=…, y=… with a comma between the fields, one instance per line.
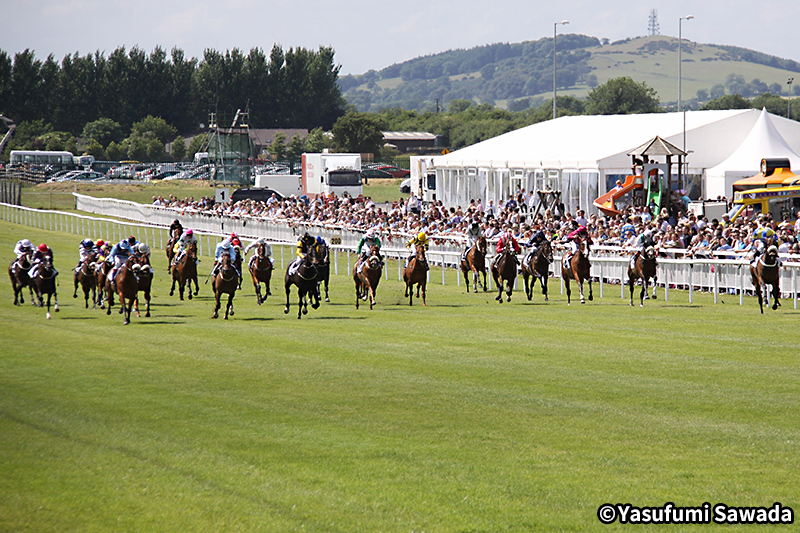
x=147, y=314
x=655, y=297
x=171, y=293
x=591, y=297
x=126, y=322
x=48, y=316
x=641, y=305
x=75, y=295
x=190, y=295
x=327, y=299
x=286, y=311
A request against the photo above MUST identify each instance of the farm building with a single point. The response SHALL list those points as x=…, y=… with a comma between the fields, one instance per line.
x=583, y=156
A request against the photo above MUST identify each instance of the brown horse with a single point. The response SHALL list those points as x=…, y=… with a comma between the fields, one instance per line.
x=226, y=281
x=764, y=271
x=644, y=268
x=537, y=266
x=127, y=288
x=145, y=279
x=84, y=277
x=305, y=279
x=504, y=272
x=101, y=270
x=261, y=271
x=184, y=272
x=475, y=261
x=45, y=283
x=367, y=280
x=173, y=239
x=238, y=264
x=18, y=273
x=416, y=273
x=578, y=269
x=323, y=268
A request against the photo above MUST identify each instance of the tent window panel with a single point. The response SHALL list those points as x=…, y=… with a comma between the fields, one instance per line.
x=592, y=181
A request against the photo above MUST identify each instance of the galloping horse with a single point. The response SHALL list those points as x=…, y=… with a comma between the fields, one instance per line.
x=85, y=278
x=766, y=271
x=171, y=248
x=18, y=272
x=238, y=264
x=305, y=278
x=45, y=283
x=225, y=282
x=367, y=280
x=261, y=272
x=323, y=268
x=475, y=261
x=416, y=273
x=127, y=288
x=145, y=280
x=578, y=269
x=101, y=271
x=504, y=271
x=185, y=271
x=537, y=266
x=645, y=270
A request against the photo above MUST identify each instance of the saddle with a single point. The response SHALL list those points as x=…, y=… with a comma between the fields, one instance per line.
x=566, y=262
x=294, y=266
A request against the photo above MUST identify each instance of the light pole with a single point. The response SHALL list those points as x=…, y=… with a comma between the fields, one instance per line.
x=555, y=26
x=789, y=99
x=680, y=77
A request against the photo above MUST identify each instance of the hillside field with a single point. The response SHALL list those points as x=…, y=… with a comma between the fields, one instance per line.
x=466, y=415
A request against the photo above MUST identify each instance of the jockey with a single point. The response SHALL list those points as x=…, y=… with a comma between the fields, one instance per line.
x=506, y=240
x=176, y=225
x=102, y=250
x=84, y=250
x=420, y=239
x=142, y=250
x=186, y=238
x=23, y=247
x=119, y=255
x=474, y=232
x=225, y=246
x=643, y=241
x=305, y=244
x=535, y=242
x=579, y=234
x=763, y=236
x=369, y=239
x=40, y=253
x=254, y=245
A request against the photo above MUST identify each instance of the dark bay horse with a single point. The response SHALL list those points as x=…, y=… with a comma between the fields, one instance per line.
x=85, y=278
x=45, y=283
x=367, y=280
x=644, y=269
x=504, y=272
x=766, y=271
x=145, y=279
x=238, y=263
x=416, y=273
x=537, y=266
x=127, y=288
x=323, y=268
x=261, y=272
x=305, y=279
x=101, y=271
x=475, y=262
x=173, y=239
x=18, y=273
x=185, y=271
x=578, y=270
x=226, y=281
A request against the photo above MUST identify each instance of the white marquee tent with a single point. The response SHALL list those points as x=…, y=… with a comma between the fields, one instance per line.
x=582, y=155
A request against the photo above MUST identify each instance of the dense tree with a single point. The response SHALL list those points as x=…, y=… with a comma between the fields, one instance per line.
x=728, y=101
x=154, y=127
x=116, y=152
x=195, y=145
x=94, y=148
x=622, y=96
x=358, y=133
x=178, y=149
x=277, y=150
x=103, y=130
x=773, y=103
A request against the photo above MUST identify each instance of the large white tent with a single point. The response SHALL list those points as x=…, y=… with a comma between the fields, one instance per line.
x=583, y=155
x=763, y=141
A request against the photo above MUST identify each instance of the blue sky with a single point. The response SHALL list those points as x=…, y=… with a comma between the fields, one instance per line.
x=372, y=35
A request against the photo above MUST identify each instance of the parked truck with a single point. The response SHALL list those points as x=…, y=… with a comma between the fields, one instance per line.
x=423, y=178
x=323, y=174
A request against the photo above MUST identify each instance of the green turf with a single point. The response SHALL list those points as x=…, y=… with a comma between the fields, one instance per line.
x=466, y=415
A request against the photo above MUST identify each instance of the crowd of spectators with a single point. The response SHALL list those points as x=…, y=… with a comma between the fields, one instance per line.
x=681, y=235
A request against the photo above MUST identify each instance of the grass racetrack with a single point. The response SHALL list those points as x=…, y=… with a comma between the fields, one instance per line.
x=466, y=415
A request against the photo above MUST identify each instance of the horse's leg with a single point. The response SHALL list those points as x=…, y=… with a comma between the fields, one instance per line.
x=643, y=293
x=410, y=292
x=655, y=285
x=424, y=290
x=528, y=290
x=228, y=305
x=776, y=293
x=631, y=283
x=567, y=288
x=543, y=282
x=510, y=287
x=465, y=273
x=302, y=305
x=75, y=281
x=498, y=284
x=216, y=304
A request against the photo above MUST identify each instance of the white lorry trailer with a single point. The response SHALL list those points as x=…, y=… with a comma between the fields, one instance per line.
x=339, y=174
x=423, y=178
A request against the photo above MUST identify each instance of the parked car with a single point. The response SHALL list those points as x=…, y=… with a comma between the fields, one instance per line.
x=396, y=172
x=374, y=173
x=259, y=194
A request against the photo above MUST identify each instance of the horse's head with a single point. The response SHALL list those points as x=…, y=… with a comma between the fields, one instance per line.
x=373, y=261
x=649, y=253
x=261, y=250
x=771, y=254
x=546, y=249
x=375, y=251
x=420, y=252
x=191, y=250
x=225, y=261
x=482, y=245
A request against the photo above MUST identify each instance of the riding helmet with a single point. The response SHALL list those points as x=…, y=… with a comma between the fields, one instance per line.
x=422, y=236
x=319, y=239
x=189, y=232
x=43, y=248
x=132, y=240
x=87, y=243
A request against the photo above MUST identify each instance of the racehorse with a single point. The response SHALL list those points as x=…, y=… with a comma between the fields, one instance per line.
x=475, y=261
x=305, y=278
x=416, y=273
x=185, y=271
x=18, y=272
x=127, y=288
x=645, y=270
x=504, y=271
x=323, y=268
x=261, y=271
x=765, y=271
x=101, y=271
x=537, y=266
x=85, y=278
x=45, y=283
x=238, y=264
x=226, y=281
x=145, y=279
x=173, y=239
x=367, y=280
x=578, y=270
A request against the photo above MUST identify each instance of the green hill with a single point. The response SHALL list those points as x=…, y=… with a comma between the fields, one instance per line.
x=519, y=75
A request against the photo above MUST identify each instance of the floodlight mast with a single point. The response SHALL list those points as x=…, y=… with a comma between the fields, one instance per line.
x=555, y=26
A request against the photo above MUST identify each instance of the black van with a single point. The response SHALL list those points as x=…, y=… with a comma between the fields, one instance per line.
x=259, y=194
